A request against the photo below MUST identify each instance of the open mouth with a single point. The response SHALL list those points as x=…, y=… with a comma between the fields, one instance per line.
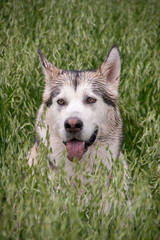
x=76, y=148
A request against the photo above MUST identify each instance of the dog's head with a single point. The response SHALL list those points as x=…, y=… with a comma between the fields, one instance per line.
x=82, y=105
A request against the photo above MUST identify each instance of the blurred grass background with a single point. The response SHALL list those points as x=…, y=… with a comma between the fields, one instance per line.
x=76, y=34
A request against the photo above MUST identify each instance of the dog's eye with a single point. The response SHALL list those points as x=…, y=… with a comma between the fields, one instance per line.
x=91, y=100
x=61, y=102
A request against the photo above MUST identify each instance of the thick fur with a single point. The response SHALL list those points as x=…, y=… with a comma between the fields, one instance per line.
x=75, y=87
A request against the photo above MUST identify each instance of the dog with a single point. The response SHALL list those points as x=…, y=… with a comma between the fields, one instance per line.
x=81, y=115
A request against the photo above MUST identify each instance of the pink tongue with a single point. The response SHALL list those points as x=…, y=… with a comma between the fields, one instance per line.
x=75, y=148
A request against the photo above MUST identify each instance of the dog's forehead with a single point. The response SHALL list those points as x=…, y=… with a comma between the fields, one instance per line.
x=77, y=78
x=77, y=84
x=76, y=88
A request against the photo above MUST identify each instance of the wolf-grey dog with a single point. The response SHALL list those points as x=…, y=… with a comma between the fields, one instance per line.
x=81, y=113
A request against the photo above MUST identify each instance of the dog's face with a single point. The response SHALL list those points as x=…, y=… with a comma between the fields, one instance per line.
x=82, y=104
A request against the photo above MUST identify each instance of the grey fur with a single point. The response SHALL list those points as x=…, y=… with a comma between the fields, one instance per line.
x=104, y=83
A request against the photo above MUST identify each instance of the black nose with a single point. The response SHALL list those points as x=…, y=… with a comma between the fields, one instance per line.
x=73, y=125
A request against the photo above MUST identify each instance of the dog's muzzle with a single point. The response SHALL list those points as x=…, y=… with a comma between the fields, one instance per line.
x=76, y=148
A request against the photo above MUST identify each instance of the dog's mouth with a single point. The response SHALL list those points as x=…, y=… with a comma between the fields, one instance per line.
x=76, y=148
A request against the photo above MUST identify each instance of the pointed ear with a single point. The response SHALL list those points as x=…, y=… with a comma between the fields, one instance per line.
x=50, y=71
x=110, y=69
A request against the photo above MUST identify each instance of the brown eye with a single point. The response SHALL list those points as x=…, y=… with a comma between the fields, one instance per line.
x=61, y=102
x=91, y=100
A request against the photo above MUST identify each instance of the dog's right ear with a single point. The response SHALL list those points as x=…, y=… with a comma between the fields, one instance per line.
x=50, y=71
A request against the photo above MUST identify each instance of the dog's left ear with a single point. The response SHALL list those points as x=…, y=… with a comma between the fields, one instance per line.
x=111, y=68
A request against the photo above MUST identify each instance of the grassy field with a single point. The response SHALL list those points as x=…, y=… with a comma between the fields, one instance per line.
x=78, y=35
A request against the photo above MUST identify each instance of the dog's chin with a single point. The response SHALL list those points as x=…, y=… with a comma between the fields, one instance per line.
x=76, y=147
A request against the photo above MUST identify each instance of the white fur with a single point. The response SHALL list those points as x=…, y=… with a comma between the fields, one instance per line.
x=97, y=115
x=102, y=115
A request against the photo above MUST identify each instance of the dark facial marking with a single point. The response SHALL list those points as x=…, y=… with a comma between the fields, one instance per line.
x=98, y=89
x=75, y=81
x=54, y=93
x=107, y=99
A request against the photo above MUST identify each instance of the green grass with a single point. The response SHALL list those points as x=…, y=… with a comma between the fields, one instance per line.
x=78, y=35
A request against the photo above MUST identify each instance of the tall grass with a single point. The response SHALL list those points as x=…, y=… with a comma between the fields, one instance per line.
x=78, y=35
